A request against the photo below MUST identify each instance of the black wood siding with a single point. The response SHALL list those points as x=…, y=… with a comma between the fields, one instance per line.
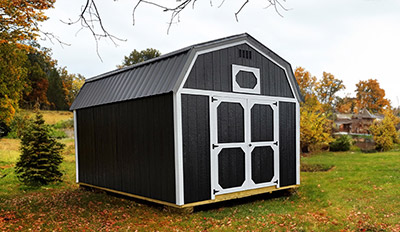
x=287, y=143
x=196, y=148
x=213, y=71
x=129, y=147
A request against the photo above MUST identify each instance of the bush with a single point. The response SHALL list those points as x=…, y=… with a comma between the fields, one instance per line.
x=57, y=134
x=18, y=125
x=69, y=123
x=384, y=132
x=343, y=143
x=41, y=155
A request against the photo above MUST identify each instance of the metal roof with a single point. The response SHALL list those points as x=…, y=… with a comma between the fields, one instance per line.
x=157, y=76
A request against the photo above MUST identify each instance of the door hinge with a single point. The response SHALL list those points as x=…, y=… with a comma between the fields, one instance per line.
x=214, y=146
x=213, y=99
x=215, y=191
x=276, y=143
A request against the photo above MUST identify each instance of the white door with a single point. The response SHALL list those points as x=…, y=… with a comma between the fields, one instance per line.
x=244, y=144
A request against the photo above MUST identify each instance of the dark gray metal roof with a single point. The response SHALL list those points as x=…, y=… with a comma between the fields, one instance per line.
x=157, y=76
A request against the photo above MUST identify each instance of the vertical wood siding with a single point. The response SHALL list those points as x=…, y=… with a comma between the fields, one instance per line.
x=287, y=143
x=213, y=71
x=129, y=147
x=196, y=148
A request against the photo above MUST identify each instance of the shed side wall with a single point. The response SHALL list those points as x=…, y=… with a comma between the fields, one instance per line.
x=213, y=71
x=129, y=147
x=196, y=148
x=287, y=143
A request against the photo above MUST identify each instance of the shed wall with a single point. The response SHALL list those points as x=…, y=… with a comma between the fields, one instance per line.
x=129, y=147
x=287, y=143
x=213, y=71
x=196, y=148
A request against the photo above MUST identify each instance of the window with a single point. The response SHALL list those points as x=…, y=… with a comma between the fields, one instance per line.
x=245, y=79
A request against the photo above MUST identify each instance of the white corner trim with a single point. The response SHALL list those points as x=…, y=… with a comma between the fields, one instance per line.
x=179, y=188
x=297, y=143
x=235, y=85
x=76, y=147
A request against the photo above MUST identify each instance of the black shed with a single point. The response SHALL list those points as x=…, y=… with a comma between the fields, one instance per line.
x=210, y=122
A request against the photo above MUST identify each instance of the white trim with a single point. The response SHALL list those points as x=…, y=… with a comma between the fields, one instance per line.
x=235, y=85
x=235, y=95
x=179, y=191
x=76, y=147
x=297, y=143
x=247, y=104
x=244, y=41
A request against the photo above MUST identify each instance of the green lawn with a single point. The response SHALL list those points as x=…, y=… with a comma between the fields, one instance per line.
x=360, y=193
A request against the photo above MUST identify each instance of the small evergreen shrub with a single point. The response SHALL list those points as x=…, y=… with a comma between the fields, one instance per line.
x=343, y=143
x=40, y=155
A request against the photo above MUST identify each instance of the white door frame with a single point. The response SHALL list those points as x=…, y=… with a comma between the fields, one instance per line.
x=247, y=103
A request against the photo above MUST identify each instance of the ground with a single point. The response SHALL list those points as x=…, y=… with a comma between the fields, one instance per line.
x=346, y=191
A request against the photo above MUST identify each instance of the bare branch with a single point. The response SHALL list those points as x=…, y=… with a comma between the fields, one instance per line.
x=89, y=18
x=240, y=9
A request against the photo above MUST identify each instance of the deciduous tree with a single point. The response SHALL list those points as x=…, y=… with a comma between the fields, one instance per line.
x=326, y=90
x=136, y=57
x=19, y=19
x=371, y=96
x=12, y=79
x=384, y=132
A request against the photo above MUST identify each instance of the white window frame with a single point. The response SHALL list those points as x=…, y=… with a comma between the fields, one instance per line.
x=236, y=87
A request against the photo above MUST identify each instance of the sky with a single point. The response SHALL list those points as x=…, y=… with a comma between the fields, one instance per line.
x=354, y=40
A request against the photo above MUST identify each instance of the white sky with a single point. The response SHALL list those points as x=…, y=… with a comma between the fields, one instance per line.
x=354, y=40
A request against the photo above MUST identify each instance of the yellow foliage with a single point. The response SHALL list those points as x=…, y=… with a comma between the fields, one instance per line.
x=315, y=128
x=384, y=132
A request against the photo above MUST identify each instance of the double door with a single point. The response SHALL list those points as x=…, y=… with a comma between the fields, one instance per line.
x=244, y=144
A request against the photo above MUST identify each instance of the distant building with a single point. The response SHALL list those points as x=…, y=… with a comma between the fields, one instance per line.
x=356, y=123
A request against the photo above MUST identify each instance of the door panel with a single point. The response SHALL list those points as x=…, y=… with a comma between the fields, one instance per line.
x=262, y=164
x=230, y=123
x=262, y=123
x=231, y=167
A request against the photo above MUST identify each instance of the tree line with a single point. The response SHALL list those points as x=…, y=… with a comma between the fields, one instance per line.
x=28, y=73
x=322, y=103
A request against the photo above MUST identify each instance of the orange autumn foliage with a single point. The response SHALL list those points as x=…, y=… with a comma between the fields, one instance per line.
x=371, y=96
x=19, y=19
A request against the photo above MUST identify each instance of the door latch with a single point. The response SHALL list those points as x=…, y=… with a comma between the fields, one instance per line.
x=214, y=146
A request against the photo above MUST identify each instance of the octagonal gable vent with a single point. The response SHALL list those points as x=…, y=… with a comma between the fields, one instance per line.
x=245, y=79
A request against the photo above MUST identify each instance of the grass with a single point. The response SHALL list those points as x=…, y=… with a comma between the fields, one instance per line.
x=51, y=116
x=360, y=193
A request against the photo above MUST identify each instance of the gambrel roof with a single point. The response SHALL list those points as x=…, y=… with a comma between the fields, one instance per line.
x=160, y=75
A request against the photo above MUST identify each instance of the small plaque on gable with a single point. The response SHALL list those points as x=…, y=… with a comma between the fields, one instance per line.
x=245, y=79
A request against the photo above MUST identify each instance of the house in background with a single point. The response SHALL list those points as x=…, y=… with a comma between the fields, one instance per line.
x=356, y=123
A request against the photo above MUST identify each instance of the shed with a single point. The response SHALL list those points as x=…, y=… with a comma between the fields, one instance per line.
x=210, y=122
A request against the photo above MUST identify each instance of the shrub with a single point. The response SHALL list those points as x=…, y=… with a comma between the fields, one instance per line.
x=384, y=132
x=41, y=155
x=69, y=123
x=57, y=134
x=18, y=124
x=343, y=143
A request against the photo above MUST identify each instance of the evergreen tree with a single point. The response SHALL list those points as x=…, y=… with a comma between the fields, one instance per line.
x=41, y=155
